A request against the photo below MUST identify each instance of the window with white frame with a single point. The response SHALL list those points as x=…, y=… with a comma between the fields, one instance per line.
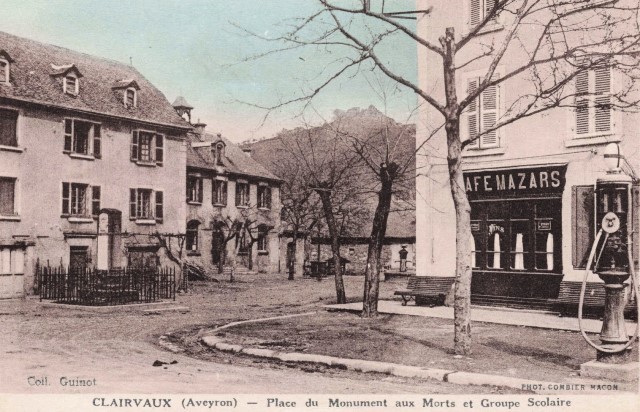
x=219, y=192
x=478, y=10
x=194, y=188
x=8, y=196
x=242, y=194
x=130, y=98
x=71, y=84
x=481, y=116
x=264, y=197
x=83, y=138
x=80, y=200
x=146, y=204
x=593, y=102
x=4, y=71
x=147, y=147
x=8, y=128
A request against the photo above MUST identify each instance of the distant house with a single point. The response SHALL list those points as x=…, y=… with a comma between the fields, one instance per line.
x=78, y=135
x=224, y=184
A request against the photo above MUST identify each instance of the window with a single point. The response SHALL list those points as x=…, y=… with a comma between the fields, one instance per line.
x=8, y=128
x=593, y=102
x=77, y=201
x=130, y=98
x=242, y=194
x=147, y=148
x=481, y=115
x=4, y=71
x=218, y=153
x=146, y=204
x=478, y=10
x=242, y=243
x=82, y=138
x=192, y=236
x=8, y=196
x=194, y=189
x=263, y=238
x=219, y=192
x=70, y=85
x=264, y=197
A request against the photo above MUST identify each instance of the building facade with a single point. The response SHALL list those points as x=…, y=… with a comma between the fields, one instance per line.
x=530, y=183
x=80, y=135
x=233, y=207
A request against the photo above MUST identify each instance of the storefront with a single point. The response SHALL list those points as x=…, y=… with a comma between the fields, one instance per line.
x=516, y=225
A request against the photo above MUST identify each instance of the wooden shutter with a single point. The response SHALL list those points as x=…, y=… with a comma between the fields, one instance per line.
x=238, y=188
x=489, y=117
x=159, y=206
x=68, y=134
x=66, y=198
x=200, y=187
x=472, y=114
x=8, y=122
x=582, y=224
x=132, y=204
x=159, y=149
x=268, y=194
x=224, y=192
x=475, y=12
x=95, y=200
x=488, y=6
x=97, y=141
x=602, y=99
x=582, y=102
x=134, y=146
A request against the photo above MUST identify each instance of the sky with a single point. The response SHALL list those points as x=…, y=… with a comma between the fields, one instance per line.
x=200, y=49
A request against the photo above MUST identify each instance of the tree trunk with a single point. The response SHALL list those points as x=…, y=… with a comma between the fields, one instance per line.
x=376, y=242
x=327, y=207
x=462, y=293
x=292, y=269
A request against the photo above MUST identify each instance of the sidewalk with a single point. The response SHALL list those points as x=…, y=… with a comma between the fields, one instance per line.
x=503, y=316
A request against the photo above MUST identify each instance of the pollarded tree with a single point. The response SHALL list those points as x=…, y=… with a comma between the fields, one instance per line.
x=546, y=44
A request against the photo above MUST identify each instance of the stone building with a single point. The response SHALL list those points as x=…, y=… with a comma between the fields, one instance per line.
x=80, y=134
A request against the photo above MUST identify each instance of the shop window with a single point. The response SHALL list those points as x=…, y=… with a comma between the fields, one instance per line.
x=147, y=148
x=242, y=194
x=219, y=193
x=194, y=189
x=520, y=245
x=192, y=236
x=82, y=138
x=593, y=102
x=8, y=128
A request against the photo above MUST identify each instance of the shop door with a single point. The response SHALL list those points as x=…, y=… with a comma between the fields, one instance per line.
x=11, y=273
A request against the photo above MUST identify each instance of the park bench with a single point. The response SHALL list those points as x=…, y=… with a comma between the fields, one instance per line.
x=569, y=297
x=423, y=289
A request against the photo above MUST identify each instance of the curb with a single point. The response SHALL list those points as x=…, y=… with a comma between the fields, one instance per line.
x=394, y=369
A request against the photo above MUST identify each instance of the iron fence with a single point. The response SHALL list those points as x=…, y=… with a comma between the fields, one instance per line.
x=88, y=286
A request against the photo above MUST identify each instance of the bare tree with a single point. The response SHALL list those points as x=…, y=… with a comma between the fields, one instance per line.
x=548, y=43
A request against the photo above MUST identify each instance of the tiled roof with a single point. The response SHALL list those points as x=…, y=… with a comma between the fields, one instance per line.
x=35, y=77
x=235, y=160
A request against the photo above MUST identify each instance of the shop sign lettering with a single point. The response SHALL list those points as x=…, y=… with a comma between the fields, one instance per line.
x=515, y=182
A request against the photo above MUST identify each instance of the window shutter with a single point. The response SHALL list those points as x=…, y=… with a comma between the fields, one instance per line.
x=95, y=200
x=488, y=6
x=200, y=189
x=134, y=146
x=472, y=113
x=268, y=194
x=489, y=117
x=475, y=13
x=582, y=102
x=603, y=99
x=97, y=141
x=65, y=198
x=238, y=188
x=159, y=149
x=224, y=192
x=582, y=224
x=159, y=206
x=68, y=133
x=132, y=204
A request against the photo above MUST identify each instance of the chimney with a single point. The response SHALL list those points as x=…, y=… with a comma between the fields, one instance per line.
x=199, y=128
x=247, y=150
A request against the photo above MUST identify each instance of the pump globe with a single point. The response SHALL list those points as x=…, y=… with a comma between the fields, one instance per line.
x=613, y=157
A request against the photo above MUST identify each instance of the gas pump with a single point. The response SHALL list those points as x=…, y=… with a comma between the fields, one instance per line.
x=611, y=259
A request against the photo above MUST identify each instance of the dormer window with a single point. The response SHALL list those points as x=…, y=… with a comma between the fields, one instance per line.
x=218, y=153
x=4, y=71
x=70, y=85
x=130, y=98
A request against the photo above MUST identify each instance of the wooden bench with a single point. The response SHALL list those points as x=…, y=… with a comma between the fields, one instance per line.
x=423, y=288
x=594, y=295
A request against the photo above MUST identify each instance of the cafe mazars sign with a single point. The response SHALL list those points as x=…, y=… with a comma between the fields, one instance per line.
x=509, y=183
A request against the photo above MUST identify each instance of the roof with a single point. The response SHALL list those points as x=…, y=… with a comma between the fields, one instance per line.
x=235, y=160
x=35, y=78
